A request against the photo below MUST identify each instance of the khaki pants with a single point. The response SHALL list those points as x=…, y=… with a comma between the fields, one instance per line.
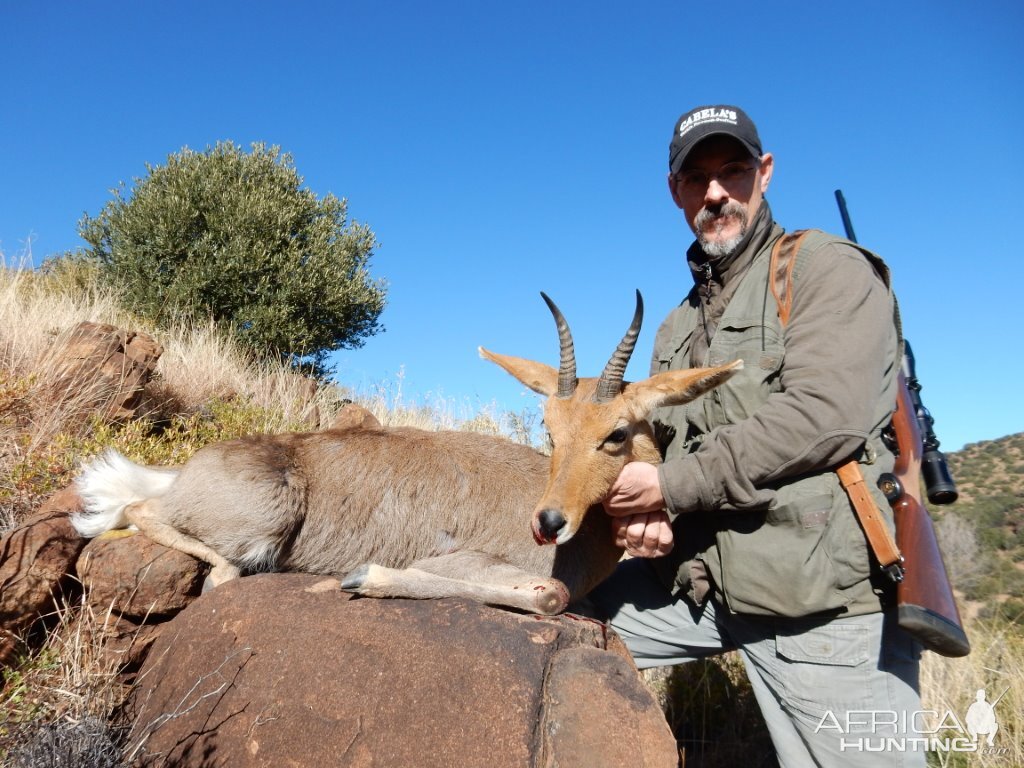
x=839, y=692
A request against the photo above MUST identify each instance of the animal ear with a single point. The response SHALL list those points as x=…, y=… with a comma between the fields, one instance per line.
x=542, y=379
x=676, y=387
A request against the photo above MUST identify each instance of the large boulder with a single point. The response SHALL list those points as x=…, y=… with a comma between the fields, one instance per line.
x=37, y=562
x=133, y=585
x=284, y=669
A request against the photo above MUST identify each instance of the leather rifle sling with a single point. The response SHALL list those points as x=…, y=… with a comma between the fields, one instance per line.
x=880, y=539
x=877, y=532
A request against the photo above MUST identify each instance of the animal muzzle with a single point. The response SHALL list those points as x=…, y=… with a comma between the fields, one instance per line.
x=550, y=527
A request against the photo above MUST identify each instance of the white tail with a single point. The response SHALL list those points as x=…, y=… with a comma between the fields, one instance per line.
x=109, y=484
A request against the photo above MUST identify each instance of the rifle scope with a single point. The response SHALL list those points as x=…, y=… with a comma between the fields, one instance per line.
x=938, y=482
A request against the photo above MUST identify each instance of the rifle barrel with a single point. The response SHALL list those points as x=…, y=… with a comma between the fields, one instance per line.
x=847, y=223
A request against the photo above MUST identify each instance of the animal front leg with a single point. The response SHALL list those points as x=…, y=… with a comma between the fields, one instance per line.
x=470, y=575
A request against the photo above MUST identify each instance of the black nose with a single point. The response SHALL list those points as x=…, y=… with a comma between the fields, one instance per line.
x=550, y=522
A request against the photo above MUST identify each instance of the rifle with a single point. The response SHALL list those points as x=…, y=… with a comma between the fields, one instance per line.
x=925, y=604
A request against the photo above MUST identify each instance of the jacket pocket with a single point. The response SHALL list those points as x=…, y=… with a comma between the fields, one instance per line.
x=669, y=354
x=796, y=559
x=762, y=353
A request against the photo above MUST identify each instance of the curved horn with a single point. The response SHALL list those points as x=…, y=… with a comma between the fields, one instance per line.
x=610, y=383
x=567, y=363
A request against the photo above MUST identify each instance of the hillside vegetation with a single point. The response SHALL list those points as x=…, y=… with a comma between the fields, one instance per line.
x=983, y=531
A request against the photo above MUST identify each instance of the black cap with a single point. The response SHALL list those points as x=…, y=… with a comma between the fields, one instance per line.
x=697, y=124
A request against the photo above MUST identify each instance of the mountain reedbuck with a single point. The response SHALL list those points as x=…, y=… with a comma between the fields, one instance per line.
x=399, y=512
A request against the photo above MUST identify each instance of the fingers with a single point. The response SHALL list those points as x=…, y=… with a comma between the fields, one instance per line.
x=644, y=535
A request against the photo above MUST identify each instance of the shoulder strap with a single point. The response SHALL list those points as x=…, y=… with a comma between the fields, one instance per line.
x=780, y=271
x=783, y=262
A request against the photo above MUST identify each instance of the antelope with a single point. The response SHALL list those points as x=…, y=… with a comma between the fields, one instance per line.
x=401, y=512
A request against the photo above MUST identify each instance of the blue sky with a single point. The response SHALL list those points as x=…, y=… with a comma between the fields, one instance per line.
x=499, y=149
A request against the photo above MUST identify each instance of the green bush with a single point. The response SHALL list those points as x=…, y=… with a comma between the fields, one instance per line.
x=232, y=236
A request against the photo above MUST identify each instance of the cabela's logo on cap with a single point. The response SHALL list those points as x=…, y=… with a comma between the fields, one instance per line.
x=709, y=115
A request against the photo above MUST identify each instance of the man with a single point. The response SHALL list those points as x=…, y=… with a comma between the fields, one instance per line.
x=744, y=538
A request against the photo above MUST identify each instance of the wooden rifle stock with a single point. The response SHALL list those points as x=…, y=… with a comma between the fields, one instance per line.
x=927, y=608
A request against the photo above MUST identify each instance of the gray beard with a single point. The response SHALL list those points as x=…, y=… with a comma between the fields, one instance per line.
x=721, y=248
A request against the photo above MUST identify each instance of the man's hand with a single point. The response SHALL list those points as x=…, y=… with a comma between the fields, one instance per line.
x=648, y=534
x=636, y=505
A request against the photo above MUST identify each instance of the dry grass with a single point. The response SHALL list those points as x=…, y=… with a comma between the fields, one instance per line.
x=33, y=311
x=43, y=430
x=996, y=665
x=59, y=700
x=711, y=710
x=389, y=404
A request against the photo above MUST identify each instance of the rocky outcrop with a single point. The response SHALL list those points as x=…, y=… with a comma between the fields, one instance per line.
x=352, y=416
x=37, y=562
x=284, y=669
x=101, y=366
x=132, y=586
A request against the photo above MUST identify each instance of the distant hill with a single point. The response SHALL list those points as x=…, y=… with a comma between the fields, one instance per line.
x=990, y=478
x=991, y=466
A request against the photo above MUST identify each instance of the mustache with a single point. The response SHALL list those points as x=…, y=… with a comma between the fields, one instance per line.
x=718, y=214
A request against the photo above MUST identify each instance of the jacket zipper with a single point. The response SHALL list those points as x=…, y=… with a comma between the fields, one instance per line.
x=707, y=301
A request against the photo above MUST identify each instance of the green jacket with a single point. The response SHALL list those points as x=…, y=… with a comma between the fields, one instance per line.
x=760, y=519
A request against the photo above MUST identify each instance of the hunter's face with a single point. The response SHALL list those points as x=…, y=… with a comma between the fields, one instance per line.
x=719, y=188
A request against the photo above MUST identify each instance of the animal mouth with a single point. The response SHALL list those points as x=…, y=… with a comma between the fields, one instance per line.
x=550, y=527
x=537, y=537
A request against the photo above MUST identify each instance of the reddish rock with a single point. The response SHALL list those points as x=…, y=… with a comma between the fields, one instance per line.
x=132, y=576
x=615, y=714
x=122, y=642
x=352, y=416
x=36, y=559
x=100, y=365
x=283, y=669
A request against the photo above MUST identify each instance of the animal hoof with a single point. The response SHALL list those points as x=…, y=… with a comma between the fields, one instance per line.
x=551, y=597
x=355, y=579
x=219, y=574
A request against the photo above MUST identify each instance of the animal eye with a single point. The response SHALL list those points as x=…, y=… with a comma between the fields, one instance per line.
x=617, y=437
